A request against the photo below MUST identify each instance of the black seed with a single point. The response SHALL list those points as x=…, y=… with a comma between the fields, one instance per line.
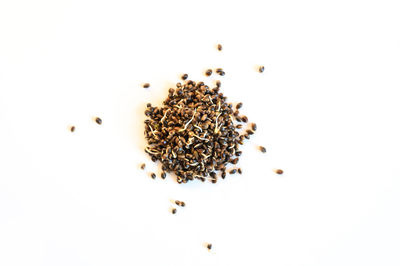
x=263, y=149
x=223, y=175
x=153, y=175
x=239, y=171
x=261, y=69
x=146, y=85
x=209, y=246
x=208, y=72
x=72, y=128
x=233, y=171
x=222, y=73
x=279, y=171
x=143, y=166
x=148, y=105
x=98, y=120
x=173, y=211
x=249, y=131
x=184, y=76
x=238, y=153
x=182, y=204
x=239, y=105
x=214, y=181
x=254, y=126
x=219, y=47
x=163, y=175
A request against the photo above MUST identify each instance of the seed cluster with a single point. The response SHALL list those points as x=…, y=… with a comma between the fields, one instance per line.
x=194, y=133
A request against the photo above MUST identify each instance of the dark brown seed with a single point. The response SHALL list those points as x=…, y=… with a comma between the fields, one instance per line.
x=214, y=181
x=235, y=161
x=219, y=47
x=173, y=211
x=148, y=105
x=239, y=126
x=249, y=131
x=247, y=136
x=146, y=85
x=222, y=73
x=223, y=175
x=178, y=202
x=153, y=175
x=279, y=171
x=261, y=69
x=233, y=171
x=143, y=166
x=218, y=83
x=182, y=204
x=208, y=72
x=239, y=105
x=254, y=126
x=263, y=149
x=209, y=246
x=72, y=129
x=245, y=119
x=184, y=76
x=163, y=175
x=239, y=171
x=98, y=120
x=238, y=153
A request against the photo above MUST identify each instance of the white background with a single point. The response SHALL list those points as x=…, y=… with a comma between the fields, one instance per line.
x=327, y=109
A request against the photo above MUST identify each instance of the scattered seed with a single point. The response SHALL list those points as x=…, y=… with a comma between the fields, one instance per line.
x=184, y=76
x=163, y=175
x=233, y=171
x=279, y=171
x=239, y=105
x=239, y=171
x=239, y=126
x=214, y=180
x=182, y=204
x=72, y=128
x=153, y=175
x=208, y=72
x=178, y=202
x=98, y=120
x=219, y=47
x=146, y=85
x=223, y=175
x=254, y=126
x=263, y=149
x=143, y=166
x=245, y=119
x=249, y=131
x=173, y=211
x=218, y=83
x=261, y=69
x=209, y=246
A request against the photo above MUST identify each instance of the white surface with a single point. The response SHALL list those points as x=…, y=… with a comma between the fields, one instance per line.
x=327, y=109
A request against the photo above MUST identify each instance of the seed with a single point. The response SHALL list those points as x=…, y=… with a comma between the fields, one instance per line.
x=263, y=149
x=235, y=161
x=143, y=166
x=223, y=175
x=214, y=181
x=219, y=47
x=238, y=153
x=218, y=83
x=239, y=105
x=153, y=175
x=182, y=204
x=184, y=76
x=163, y=175
x=178, y=202
x=173, y=211
x=208, y=72
x=245, y=119
x=279, y=171
x=249, y=131
x=148, y=105
x=233, y=171
x=254, y=126
x=239, y=171
x=72, y=128
x=247, y=136
x=146, y=85
x=98, y=120
x=209, y=246
x=222, y=73
x=261, y=69
x=239, y=126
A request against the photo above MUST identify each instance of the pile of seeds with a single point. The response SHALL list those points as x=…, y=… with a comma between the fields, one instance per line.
x=195, y=132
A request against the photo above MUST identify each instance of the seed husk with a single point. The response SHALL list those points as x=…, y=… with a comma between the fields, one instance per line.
x=263, y=149
x=98, y=120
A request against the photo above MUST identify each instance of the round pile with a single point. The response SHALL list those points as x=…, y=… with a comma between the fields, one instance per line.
x=193, y=133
